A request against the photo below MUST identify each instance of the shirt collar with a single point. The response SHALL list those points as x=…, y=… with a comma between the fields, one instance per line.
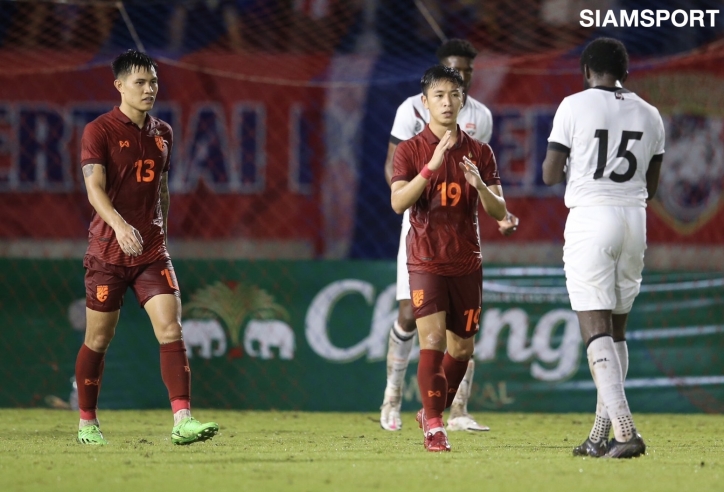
x=432, y=139
x=120, y=116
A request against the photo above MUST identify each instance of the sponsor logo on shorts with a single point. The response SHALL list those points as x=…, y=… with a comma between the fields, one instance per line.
x=124, y=143
x=102, y=293
x=92, y=382
x=417, y=297
x=433, y=393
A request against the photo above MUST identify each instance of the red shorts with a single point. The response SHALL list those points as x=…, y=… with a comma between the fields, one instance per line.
x=460, y=297
x=106, y=284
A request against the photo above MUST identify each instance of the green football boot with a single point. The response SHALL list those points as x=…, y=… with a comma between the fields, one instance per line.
x=190, y=430
x=91, y=434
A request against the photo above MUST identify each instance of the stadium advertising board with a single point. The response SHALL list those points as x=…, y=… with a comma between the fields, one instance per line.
x=312, y=335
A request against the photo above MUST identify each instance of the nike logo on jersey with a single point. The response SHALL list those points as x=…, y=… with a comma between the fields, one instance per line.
x=124, y=143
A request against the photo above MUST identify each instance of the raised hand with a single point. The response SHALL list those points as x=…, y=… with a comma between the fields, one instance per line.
x=446, y=143
x=472, y=175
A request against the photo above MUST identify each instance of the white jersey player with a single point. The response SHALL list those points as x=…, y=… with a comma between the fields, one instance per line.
x=476, y=120
x=613, y=144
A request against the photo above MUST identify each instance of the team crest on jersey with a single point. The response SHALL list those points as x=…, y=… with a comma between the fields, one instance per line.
x=690, y=189
x=419, y=125
x=102, y=293
x=160, y=142
x=417, y=297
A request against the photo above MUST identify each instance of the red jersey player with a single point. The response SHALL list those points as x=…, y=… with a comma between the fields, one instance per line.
x=440, y=174
x=125, y=156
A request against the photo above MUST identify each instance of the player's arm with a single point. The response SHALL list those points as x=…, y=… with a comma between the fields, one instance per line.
x=509, y=224
x=389, y=162
x=555, y=163
x=406, y=193
x=129, y=239
x=490, y=196
x=652, y=175
x=165, y=202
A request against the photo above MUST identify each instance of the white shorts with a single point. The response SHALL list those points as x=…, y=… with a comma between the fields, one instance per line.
x=604, y=257
x=403, y=277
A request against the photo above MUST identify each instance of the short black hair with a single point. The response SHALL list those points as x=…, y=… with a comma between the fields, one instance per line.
x=456, y=47
x=606, y=55
x=126, y=62
x=439, y=73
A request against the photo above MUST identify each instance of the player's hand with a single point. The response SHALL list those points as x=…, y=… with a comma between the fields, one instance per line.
x=439, y=155
x=508, y=225
x=472, y=175
x=129, y=239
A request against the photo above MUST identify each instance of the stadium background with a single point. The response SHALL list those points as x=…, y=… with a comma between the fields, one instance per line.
x=280, y=225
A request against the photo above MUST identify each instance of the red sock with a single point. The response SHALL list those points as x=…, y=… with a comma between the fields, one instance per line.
x=88, y=374
x=454, y=373
x=432, y=383
x=176, y=374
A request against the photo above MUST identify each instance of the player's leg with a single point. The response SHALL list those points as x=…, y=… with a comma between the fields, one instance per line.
x=602, y=424
x=157, y=291
x=629, y=268
x=594, y=238
x=466, y=297
x=105, y=287
x=432, y=381
x=400, y=340
x=430, y=302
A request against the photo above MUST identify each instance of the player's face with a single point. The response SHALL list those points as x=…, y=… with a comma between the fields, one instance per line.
x=444, y=101
x=464, y=66
x=139, y=88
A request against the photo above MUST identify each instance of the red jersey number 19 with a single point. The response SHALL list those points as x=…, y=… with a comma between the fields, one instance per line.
x=451, y=191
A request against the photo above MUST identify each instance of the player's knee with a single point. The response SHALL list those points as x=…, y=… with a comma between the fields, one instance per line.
x=406, y=317
x=461, y=352
x=169, y=332
x=98, y=342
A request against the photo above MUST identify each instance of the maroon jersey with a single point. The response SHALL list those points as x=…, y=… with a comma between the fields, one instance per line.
x=443, y=237
x=134, y=159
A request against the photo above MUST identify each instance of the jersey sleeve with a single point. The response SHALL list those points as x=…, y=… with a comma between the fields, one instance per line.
x=661, y=140
x=403, y=164
x=167, y=164
x=562, y=131
x=486, y=124
x=403, y=127
x=93, y=146
x=488, y=167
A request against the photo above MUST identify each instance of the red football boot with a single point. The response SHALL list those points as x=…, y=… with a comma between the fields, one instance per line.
x=433, y=432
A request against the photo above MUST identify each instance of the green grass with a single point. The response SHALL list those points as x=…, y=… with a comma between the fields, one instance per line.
x=259, y=451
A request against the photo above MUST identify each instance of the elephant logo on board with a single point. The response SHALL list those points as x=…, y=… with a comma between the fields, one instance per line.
x=269, y=334
x=204, y=334
x=232, y=305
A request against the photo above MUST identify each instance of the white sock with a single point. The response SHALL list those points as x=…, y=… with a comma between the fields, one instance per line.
x=608, y=377
x=460, y=403
x=86, y=423
x=398, y=357
x=602, y=425
x=180, y=415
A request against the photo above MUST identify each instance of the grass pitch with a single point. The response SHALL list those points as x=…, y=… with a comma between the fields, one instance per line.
x=260, y=451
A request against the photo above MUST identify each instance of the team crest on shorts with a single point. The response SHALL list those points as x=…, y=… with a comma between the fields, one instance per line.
x=102, y=293
x=417, y=297
x=160, y=142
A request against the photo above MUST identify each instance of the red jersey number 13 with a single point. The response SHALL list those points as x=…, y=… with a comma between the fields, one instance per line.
x=144, y=170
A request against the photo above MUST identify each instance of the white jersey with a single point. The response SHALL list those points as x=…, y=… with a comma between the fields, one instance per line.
x=474, y=119
x=611, y=135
